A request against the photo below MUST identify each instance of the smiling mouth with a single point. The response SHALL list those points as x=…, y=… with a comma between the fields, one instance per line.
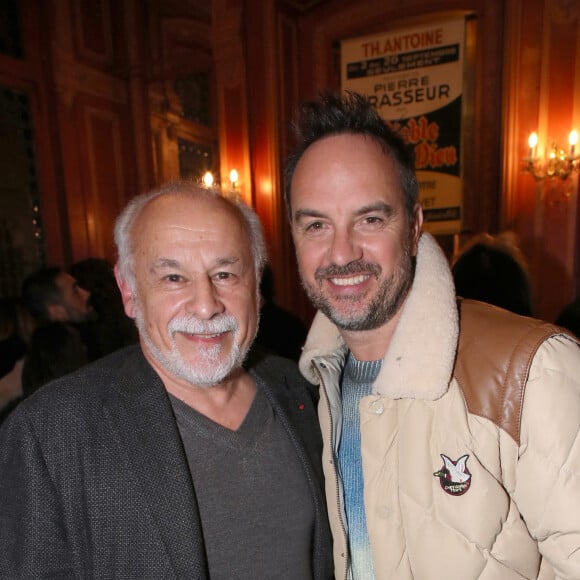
x=203, y=336
x=350, y=281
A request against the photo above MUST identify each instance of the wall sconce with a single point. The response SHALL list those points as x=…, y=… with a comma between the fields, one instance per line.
x=234, y=179
x=207, y=179
x=556, y=162
x=234, y=192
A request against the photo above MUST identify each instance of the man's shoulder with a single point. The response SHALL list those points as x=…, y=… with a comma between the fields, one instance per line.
x=495, y=352
x=497, y=333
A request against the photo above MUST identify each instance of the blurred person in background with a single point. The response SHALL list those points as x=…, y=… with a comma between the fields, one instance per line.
x=493, y=269
x=59, y=306
x=16, y=326
x=111, y=328
x=51, y=294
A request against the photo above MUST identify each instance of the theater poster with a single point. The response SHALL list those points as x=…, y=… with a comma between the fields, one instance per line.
x=414, y=77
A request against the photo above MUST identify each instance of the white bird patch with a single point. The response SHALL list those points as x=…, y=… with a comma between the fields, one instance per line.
x=454, y=477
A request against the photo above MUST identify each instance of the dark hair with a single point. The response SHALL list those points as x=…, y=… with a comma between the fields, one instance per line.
x=493, y=269
x=111, y=329
x=96, y=275
x=351, y=113
x=569, y=318
x=40, y=289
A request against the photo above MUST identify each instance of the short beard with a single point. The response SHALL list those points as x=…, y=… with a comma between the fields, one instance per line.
x=80, y=317
x=210, y=369
x=391, y=294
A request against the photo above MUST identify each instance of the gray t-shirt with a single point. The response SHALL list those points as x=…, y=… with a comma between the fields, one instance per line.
x=255, y=505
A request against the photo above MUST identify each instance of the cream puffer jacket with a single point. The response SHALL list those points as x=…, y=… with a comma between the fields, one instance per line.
x=471, y=470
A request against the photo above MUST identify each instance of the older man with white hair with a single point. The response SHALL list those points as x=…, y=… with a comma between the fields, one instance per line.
x=173, y=458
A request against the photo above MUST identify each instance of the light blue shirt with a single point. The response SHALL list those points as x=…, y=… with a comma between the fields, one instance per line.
x=357, y=381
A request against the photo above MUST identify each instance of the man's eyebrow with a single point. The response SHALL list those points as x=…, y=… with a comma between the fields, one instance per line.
x=162, y=263
x=227, y=261
x=305, y=212
x=170, y=263
x=380, y=206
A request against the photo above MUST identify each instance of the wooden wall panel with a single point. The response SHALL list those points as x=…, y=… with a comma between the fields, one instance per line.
x=180, y=73
x=289, y=291
x=263, y=82
x=232, y=96
x=33, y=74
x=103, y=118
x=103, y=161
x=542, y=93
x=93, y=27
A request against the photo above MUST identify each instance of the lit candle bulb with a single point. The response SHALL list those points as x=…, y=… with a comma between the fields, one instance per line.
x=233, y=178
x=573, y=140
x=208, y=179
x=532, y=143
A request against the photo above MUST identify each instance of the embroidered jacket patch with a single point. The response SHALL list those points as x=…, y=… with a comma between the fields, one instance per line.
x=454, y=477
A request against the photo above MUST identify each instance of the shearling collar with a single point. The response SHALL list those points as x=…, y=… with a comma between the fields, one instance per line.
x=420, y=359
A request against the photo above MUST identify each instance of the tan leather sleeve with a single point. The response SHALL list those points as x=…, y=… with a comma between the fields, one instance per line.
x=495, y=352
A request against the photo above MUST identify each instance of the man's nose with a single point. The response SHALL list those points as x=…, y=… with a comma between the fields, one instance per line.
x=204, y=301
x=345, y=247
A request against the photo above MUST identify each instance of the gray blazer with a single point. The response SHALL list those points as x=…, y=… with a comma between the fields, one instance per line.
x=94, y=481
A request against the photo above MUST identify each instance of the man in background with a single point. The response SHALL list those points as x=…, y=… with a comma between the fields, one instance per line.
x=451, y=428
x=111, y=328
x=60, y=308
x=51, y=294
x=170, y=459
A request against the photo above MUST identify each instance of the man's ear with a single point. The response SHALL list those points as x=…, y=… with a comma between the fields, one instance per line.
x=416, y=225
x=126, y=293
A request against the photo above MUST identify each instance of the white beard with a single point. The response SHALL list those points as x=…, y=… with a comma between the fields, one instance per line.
x=211, y=368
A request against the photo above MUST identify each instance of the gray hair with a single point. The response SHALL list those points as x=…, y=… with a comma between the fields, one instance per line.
x=126, y=220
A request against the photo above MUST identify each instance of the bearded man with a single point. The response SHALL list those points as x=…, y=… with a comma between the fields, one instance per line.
x=171, y=459
x=450, y=427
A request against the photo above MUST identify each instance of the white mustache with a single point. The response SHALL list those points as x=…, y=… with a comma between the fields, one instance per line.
x=192, y=325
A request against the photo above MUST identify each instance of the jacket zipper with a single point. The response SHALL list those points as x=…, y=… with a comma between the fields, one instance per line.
x=337, y=487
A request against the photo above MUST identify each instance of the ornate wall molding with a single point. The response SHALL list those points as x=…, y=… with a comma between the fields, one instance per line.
x=71, y=78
